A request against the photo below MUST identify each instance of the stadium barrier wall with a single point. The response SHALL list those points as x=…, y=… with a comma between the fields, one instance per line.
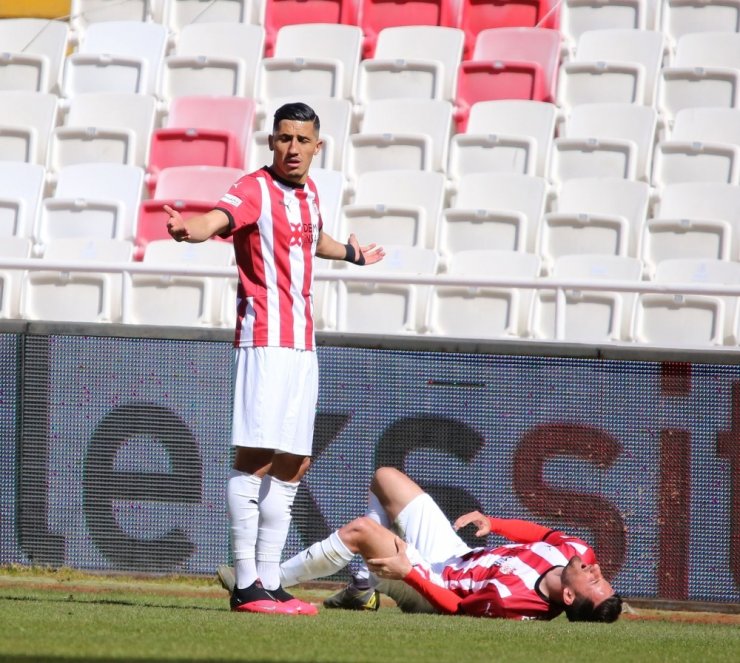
x=114, y=448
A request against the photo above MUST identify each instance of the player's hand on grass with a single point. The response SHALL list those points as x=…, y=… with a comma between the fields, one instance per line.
x=176, y=225
x=396, y=567
x=476, y=518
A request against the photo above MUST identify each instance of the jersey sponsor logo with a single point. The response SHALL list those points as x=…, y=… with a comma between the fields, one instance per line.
x=296, y=238
x=231, y=199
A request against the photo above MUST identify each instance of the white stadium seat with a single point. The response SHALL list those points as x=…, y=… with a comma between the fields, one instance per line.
x=681, y=17
x=106, y=127
x=505, y=136
x=482, y=311
x=26, y=121
x=594, y=215
x=605, y=140
x=395, y=207
x=85, y=12
x=693, y=220
x=412, y=61
x=493, y=211
x=214, y=59
x=586, y=316
x=76, y=296
x=579, y=16
x=704, y=146
x=33, y=51
x=386, y=308
x=10, y=279
x=176, y=14
x=616, y=66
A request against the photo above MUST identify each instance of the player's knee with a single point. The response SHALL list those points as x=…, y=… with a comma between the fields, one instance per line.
x=357, y=532
x=384, y=478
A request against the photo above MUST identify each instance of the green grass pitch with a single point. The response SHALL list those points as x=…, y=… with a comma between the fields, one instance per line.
x=69, y=616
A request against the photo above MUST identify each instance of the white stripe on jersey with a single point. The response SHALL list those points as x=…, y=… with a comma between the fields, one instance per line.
x=247, y=326
x=552, y=555
x=268, y=255
x=297, y=265
x=578, y=546
x=503, y=590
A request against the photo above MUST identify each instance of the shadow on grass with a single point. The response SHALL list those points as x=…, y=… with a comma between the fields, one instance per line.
x=134, y=604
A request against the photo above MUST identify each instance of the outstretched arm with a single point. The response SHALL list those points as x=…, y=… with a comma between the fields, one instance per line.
x=197, y=228
x=519, y=531
x=327, y=247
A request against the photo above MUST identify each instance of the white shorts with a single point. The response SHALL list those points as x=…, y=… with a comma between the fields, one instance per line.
x=275, y=395
x=431, y=538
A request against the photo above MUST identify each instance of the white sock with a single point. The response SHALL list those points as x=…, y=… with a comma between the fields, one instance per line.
x=275, y=502
x=323, y=558
x=242, y=496
x=375, y=511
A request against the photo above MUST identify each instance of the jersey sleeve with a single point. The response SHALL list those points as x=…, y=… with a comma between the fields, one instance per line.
x=442, y=599
x=572, y=543
x=242, y=204
x=519, y=531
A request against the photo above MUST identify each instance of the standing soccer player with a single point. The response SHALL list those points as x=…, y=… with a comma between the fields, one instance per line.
x=273, y=217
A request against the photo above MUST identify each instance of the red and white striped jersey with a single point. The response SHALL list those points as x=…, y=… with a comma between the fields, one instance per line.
x=503, y=581
x=275, y=227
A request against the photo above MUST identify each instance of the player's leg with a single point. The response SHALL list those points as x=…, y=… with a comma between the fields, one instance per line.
x=361, y=536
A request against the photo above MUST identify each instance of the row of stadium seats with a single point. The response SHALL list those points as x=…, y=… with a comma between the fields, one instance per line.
x=571, y=17
x=610, y=216
x=596, y=139
x=617, y=65
x=480, y=297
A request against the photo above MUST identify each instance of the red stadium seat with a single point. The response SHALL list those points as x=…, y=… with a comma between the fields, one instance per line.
x=378, y=14
x=509, y=63
x=291, y=12
x=191, y=190
x=202, y=131
x=478, y=15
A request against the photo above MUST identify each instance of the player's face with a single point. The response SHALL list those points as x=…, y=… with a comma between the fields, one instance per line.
x=294, y=144
x=585, y=580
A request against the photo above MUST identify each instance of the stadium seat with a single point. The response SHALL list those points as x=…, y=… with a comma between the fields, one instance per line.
x=214, y=59
x=376, y=15
x=508, y=136
x=178, y=300
x=508, y=63
x=616, y=66
x=10, y=279
x=484, y=312
x=85, y=12
x=704, y=72
x=595, y=216
x=313, y=59
x=400, y=134
x=176, y=14
x=202, y=131
x=605, y=140
x=687, y=321
x=21, y=191
x=395, y=207
x=279, y=13
x=191, y=190
x=117, y=56
x=109, y=127
x=493, y=211
x=418, y=62
x=681, y=17
x=335, y=116
x=76, y=296
x=579, y=16
x=583, y=316
x=693, y=220
x=704, y=146
x=478, y=15
x=26, y=121
x=32, y=54
x=386, y=308
x=91, y=200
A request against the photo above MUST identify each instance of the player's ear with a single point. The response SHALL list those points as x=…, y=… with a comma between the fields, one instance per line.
x=271, y=142
x=319, y=145
x=568, y=596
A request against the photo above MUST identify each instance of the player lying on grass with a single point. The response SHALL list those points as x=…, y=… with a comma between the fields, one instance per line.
x=543, y=573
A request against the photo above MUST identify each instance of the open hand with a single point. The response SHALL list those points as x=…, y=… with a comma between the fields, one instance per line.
x=396, y=567
x=371, y=252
